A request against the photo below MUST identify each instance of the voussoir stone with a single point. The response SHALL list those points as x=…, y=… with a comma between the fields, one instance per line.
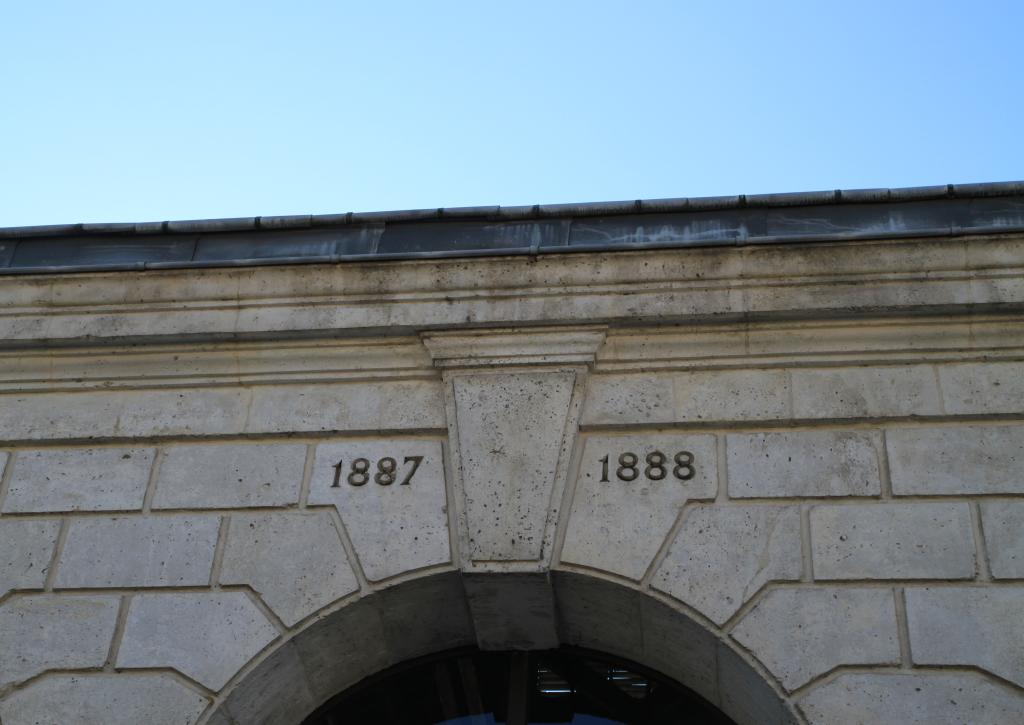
x=81, y=479
x=138, y=551
x=230, y=475
x=1003, y=523
x=968, y=626
x=294, y=561
x=892, y=541
x=801, y=633
x=957, y=460
x=396, y=527
x=207, y=636
x=44, y=632
x=803, y=463
x=618, y=525
x=912, y=698
x=723, y=555
x=121, y=699
x=26, y=548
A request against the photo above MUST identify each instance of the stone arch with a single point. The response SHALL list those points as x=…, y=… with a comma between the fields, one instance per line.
x=447, y=610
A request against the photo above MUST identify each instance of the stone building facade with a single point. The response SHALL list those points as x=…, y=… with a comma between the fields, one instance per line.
x=769, y=447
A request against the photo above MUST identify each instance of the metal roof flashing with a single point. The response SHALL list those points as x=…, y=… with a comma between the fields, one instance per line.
x=528, y=230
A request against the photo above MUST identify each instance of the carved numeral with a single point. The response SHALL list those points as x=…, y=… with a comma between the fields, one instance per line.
x=656, y=469
x=385, y=475
x=416, y=461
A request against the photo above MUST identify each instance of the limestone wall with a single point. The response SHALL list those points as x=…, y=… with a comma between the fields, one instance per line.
x=791, y=478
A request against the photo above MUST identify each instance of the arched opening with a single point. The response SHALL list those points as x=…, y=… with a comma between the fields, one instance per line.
x=540, y=687
x=543, y=616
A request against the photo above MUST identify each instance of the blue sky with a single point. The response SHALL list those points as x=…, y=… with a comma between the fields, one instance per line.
x=133, y=111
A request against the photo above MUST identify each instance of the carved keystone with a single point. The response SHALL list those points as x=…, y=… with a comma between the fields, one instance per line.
x=511, y=433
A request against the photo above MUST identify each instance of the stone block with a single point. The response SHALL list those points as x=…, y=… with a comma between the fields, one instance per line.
x=618, y=525
x=801, y=633
x=912, y=698
x=26, y=548
x=803, y=463
x=597, y=614
x=744, y=694
x=512, y=611
x=956, y=460
x=138, y=551
x=274, y=693
x=343, y=648
x=1003, y=524
x=294, y=561
x=45, y=632
x=85, y=415
x=510, y=439
x=402, y=611
x=865, y=392
x=395, y=527
x=80, y=479
x=230, y=475
x=628, y=399
x=679, y=647
x=731, y=395
x=362, y=406
x=893, y=541
x=207, y=636
x=968, y=626
x=983, y=388
x=111, y=699
x=723, y=555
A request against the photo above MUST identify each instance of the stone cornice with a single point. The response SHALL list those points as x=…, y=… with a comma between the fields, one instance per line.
x=653, y=287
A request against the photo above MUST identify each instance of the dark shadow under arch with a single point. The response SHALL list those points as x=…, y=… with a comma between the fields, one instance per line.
x=452, y=610
x=471, y=687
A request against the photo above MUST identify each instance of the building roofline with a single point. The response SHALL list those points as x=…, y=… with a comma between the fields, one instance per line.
x=488, y=230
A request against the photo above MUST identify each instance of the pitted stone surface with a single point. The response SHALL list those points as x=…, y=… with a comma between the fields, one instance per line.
x=395, y=527
x=628, y=399
x=608, y=515
x=722, y=556
x=988, y=387
x=968, y=626
x=26, y=548
x=39, y=633
x=865, y=392
x=510, y=438
x=138, y=551
x=81, y=479
x=85, y=415
x=731, y=395
x=294, y=561
x=121, y=699
x=230, y=475
x=363, y=406
x=804, y=632
x=924, y=698
x=207, y=636
x=1003, y=523
x=803, y=463
x=893, y=541
x=690, y=396
x=957, y=460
